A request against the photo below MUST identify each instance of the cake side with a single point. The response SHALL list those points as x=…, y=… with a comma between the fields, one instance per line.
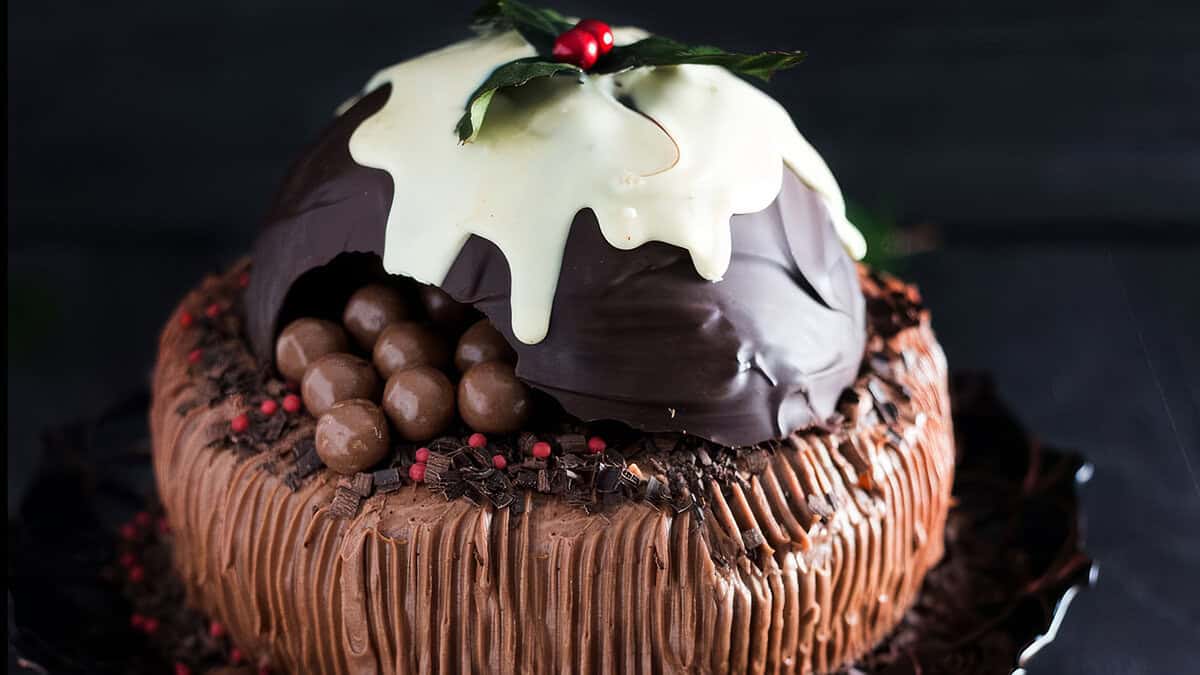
x=800, y=565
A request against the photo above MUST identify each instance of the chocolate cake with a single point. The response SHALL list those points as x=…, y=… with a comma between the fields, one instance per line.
x=589, y=382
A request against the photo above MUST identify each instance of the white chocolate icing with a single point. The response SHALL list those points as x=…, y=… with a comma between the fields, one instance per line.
x=699, y=146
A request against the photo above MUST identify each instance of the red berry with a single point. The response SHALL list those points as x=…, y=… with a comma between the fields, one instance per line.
x=500, y=462
x=577, y=47
x=150, y=626
x=185, y=319
x=417, y=472
x=599, y=30
x=137, y=621
x=597, y=445
x=143, y=519
x=244, y=279
x=195, y=355
x=128, y=532
x=182, y=669
x=212, y=311
x=235, y=656
x=136, y=574
x=268, y=407
x=127, y=560
x=541, y=449
x=477, y=440
x=421, y=455
x=216, y=630
x=291, y=403
x=240, y=423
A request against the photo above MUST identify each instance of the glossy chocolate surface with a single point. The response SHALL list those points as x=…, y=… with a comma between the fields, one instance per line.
x=636, y=335
x=352, y=436
x=304, y=341
x=337, y=377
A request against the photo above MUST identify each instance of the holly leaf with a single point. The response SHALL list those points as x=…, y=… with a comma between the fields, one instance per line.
x=539, y=27
x=661, y=51
x=511, y=74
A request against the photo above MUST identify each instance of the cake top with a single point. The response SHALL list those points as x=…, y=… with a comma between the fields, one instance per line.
x=587, y=203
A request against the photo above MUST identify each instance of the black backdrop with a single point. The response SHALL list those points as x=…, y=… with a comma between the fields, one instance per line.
x=1039, y=160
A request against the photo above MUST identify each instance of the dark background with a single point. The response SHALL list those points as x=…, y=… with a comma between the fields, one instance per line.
x=1034, y=166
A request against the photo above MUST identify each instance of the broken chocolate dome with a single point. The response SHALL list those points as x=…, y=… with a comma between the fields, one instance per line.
x=655, y=335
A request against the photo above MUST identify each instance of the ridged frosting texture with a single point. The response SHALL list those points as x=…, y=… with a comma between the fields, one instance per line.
x=415, y=584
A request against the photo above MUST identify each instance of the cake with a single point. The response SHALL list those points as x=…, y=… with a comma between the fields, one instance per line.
x=590, y=382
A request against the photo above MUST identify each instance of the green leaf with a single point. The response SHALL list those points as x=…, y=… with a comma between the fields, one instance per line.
x=539, y=27
x=511, y=74
x=661, y=51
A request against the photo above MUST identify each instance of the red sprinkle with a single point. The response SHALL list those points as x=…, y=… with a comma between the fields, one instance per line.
x=597, y=445
x=291, y=403
x=163, y=526
x=215, y=629
x=264, y=670
x=150, y=626
x=128, y=532
x=600, y=31
x=235, y=656
x=240, y=423
x=127, y=560
x=185, y=319
x=213, y=311
x=136, y=574
x=244, y=279
x=137, y=621
x=421, y=455
x=268, y=407
x=195, y=355
x=500, y=462
x=541, y=449
x=182, y=669
x=477, y=440
x=417, y=472
x=143, y=519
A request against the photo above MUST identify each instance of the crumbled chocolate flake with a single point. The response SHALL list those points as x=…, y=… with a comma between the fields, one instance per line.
x=361, y=484
x=386, y=480
x=307, y=464
x=573, y=443
x=753, y=538
x=345, y=503
x=818, y=505
x=525, y=442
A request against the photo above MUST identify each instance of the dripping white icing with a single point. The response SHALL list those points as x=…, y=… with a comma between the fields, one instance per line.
x=701, y=146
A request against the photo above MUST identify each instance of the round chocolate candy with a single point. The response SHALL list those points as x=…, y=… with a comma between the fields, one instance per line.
x=352, y=436
x=442, y=309
x=370, y=310
x=419, y=402
x=491, y=399
x=304, y=341
x=337, y=377
x=405, y=344
x=482, y=342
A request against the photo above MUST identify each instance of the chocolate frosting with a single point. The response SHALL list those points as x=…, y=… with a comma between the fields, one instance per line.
x=799, y=566
x=636, y=336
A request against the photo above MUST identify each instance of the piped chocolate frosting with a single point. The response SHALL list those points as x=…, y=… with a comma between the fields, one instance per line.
x=635, y=335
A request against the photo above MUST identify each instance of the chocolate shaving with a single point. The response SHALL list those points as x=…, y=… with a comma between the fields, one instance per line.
x=345, y=503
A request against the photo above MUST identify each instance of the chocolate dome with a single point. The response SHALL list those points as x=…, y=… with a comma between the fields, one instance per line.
x=635, y=335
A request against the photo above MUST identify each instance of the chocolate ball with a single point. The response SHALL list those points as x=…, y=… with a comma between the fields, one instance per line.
x=491, y=399
x=442, y=309
x=337, y=377
x=405, y=344
x=482, y=342
x=370, y=310
x=419, y=402
x=352, y=436
x=304, y=341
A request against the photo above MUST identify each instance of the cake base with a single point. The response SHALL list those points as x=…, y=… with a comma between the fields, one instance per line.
x=985, y=609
